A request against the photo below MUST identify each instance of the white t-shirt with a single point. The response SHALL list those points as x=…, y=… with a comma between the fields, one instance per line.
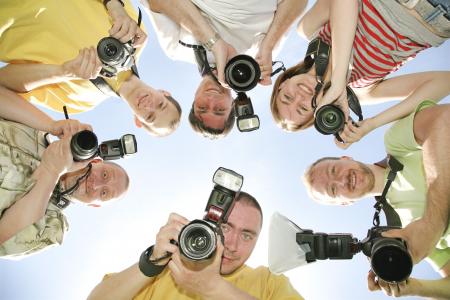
x=241, y=23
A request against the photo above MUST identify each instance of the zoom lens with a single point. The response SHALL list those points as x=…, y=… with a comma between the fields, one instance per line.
x=329, y=119
x=197, y=240
x=111, y=51
x=84, y=145
x=390, y=260
x=242, y=73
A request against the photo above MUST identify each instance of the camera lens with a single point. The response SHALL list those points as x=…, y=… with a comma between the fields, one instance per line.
x=197, y=240
x=390, y=260
x=84, y=145
x=329, y=119
x=111, y=51
x=242, y=73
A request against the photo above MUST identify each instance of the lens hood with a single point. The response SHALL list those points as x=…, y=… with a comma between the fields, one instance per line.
x=110, y=51
x=242, y=73
x=197, y=240
x=329, y=119
x=84, y=145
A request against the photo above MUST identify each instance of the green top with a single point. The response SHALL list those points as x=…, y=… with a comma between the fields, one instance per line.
x=408, y=193
x=21, y=149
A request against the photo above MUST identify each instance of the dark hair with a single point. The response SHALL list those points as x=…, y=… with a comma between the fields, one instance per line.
x=251, y=201
x=172, y=126
x=208, y=132
x=299, y=68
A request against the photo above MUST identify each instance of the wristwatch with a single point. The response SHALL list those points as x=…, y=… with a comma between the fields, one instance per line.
x=210, y=43
x=106, y=2
x=148, y=267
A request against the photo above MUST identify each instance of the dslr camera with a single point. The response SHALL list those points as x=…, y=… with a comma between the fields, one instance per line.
x=389, y=257
x=242, y=73
x=84, y=145
x=330, y=119
x=115, y=55
x=197, y=240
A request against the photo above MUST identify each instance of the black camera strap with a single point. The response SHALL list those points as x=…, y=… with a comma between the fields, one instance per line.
x=392, y=217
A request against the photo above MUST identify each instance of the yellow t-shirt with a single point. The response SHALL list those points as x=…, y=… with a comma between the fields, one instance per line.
x=53, y=32
x=259, y=283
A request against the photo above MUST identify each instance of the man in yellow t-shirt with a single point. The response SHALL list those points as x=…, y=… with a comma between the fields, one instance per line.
x=225, y=276
x=50, y=50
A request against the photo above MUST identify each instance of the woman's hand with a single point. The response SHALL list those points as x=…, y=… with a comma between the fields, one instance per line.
x=353, y=132
x=264, y=59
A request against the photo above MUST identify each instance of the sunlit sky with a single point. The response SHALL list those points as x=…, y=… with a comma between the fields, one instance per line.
x=174, y=174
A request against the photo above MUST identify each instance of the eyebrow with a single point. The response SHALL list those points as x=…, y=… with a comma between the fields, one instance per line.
x=328, y=188
x=114, y=191
x=243, y=230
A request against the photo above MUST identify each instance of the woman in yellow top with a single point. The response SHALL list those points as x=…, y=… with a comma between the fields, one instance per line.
x=49, y=48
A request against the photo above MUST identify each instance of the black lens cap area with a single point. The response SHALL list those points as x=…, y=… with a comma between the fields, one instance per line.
x=110, y=49
x=242, y=73
x=329, y=119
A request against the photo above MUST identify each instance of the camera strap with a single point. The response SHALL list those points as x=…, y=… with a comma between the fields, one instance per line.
x=392, y=217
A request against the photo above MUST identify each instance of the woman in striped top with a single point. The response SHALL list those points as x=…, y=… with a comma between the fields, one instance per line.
x=372, y=39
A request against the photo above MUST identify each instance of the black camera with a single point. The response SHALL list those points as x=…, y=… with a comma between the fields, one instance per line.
x=246, y=120
x=242, y=73
x=84, y=146
x=115, y=55
x=197, y=240
x=330, y=119
x=389, y=257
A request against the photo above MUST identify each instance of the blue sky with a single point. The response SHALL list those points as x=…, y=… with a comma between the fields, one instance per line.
x=174, y=174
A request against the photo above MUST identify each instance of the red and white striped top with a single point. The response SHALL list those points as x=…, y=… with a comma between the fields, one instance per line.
x=378, y=50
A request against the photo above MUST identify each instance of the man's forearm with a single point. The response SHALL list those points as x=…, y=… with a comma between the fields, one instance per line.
x=22, y=78
x=186, y=14
x=31, y=207
x=121, y=286
x=287, y=12
x=435, y=289
x=226, y=291
x=17, y=109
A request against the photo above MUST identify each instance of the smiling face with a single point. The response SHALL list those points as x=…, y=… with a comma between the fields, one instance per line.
x=212, y=103
x=240, y=235
x=340, y=181
x=294, y=99
x=105, y=182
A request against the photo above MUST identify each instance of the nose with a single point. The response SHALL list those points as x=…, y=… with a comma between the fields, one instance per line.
x=231, y=241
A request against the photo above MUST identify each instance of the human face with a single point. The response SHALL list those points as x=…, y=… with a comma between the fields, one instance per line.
x=240, y=235
x=212, y=103
x=105, y=182
x=341, y=181
x=294, y=99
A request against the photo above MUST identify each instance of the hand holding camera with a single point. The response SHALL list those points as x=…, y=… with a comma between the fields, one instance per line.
x=264, y=59
x=86, y=65
x=353, y=132
x=223, y=52
x=67, y=128
x=124, y=28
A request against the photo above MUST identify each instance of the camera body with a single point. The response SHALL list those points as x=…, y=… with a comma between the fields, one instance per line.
x=246, y=120
x=242, y=73
x=197, y=240
x=389, y=257
x=115, y=55
x=84, y=145
x=330, y=119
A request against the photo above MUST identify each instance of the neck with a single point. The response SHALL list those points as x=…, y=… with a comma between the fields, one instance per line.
x=378, y=173
x=127, y=87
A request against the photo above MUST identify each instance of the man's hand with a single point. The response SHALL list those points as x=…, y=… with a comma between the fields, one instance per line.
x=86, y=65
x=223, y=52
x=264, y=59
x=405, y=288
x=125, y=28
x=419, y=237
x=168, y=232
x=200, y=278
x=67, y=128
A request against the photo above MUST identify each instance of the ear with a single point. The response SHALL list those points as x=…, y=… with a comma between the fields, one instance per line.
x=165, y=93
x=137, y=122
